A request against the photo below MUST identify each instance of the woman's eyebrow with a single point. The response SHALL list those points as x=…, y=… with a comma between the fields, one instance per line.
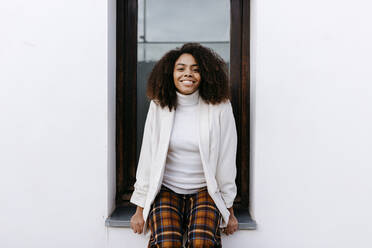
x=184, y=64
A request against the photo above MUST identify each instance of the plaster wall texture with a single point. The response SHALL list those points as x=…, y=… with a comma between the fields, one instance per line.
x=54, y=87
x=311, y=117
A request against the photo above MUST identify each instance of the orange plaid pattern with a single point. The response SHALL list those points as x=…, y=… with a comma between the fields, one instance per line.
x=172, y=215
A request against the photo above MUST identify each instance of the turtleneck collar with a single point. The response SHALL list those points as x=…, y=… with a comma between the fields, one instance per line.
x=185, y=100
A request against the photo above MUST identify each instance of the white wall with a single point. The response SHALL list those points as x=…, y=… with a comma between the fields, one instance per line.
x=311, y=113
x=54, y=123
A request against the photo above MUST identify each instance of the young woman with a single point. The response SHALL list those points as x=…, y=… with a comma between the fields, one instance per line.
x=186, y=171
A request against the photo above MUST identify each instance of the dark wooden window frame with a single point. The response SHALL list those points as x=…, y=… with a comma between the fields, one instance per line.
x=126, y=93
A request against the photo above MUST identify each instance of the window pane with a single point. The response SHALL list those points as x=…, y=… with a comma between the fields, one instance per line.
x=181, y=21
x=166, y=24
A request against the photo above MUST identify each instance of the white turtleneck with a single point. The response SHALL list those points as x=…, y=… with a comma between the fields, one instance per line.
x=183, y=168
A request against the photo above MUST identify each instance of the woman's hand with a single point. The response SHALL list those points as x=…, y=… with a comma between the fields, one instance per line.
x=232, y=225
x=137, y=222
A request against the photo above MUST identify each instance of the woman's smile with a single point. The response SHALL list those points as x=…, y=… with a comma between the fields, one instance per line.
x=187, y=82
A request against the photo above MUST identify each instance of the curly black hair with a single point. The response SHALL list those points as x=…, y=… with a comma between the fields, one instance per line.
x=214, y=86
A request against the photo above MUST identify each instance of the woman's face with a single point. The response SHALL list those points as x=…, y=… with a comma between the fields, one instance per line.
x=186, y=75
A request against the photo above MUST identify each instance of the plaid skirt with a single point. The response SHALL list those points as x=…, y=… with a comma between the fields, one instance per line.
x=174, y=215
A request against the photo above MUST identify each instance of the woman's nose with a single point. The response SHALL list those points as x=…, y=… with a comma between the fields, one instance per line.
x=187, y=73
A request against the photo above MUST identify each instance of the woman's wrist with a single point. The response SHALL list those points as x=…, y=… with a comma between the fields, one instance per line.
x=139, y=210
x=231, y=210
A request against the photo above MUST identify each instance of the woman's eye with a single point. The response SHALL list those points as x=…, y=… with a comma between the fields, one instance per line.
x=180, y=69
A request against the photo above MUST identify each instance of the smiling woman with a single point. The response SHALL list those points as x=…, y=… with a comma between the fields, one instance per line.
x=185, y=182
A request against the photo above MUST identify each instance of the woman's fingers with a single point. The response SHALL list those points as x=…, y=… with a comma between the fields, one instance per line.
x=226, y=231
x=230, y=229
x=133, y=227
x=137, y=223
x=137, y=227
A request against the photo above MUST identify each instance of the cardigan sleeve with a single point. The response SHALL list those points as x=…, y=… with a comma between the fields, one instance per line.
x=141, y=186
x=226, y=167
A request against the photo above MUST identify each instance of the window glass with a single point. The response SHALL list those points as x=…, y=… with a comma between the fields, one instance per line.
x=181, y=20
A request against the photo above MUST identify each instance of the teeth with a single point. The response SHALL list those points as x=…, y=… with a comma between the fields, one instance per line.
x=187, y=82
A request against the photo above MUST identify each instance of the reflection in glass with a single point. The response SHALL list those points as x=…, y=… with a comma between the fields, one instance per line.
x=182, y=21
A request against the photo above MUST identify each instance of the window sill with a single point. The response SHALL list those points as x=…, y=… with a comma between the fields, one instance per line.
x=121, y=218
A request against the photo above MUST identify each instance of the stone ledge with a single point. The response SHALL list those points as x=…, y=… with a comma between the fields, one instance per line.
x=121, y=218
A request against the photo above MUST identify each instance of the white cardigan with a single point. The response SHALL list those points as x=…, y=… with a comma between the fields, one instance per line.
x=217, y=144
